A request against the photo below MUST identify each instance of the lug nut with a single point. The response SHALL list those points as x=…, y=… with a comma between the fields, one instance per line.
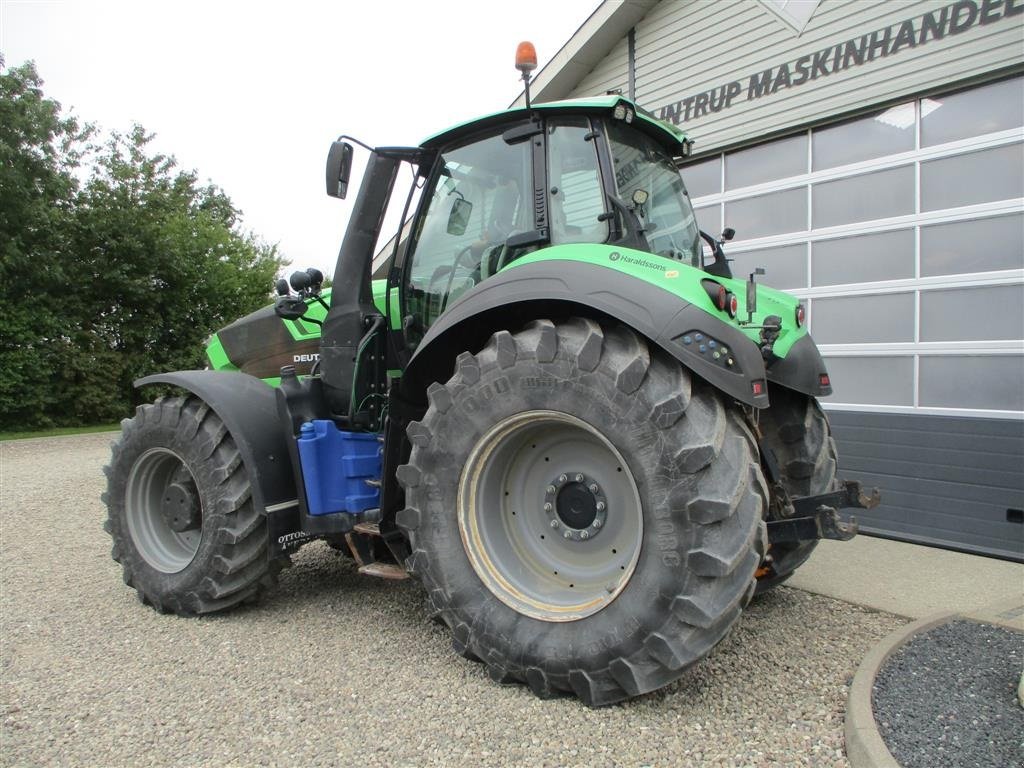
x=547, y=506
x=551, y=489
x=593, y=487
x=567, y=535
x=600, y=506
x=579, y=478
x=562, y=478
x=597, y=523
x=554, y=523
x=584, y=535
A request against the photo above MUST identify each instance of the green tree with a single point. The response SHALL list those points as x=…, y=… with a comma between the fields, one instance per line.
x=39, y=153
x=141, y=263
x=161, y=263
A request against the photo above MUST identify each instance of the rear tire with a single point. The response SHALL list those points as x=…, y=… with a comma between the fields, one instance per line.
x=798, y=432
x=657, y=581
x=181, y=514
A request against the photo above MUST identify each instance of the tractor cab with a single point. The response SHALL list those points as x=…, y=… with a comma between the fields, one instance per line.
x=598, y=171
x=589, y=171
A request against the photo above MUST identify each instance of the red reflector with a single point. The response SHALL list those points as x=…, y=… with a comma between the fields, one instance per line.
x=823, y=380
x=757, y=387
x=799, y=315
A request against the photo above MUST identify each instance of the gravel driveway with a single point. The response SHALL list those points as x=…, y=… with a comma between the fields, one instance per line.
x=334, y=668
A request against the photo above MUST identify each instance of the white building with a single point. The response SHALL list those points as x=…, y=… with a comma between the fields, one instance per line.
x=869, y=155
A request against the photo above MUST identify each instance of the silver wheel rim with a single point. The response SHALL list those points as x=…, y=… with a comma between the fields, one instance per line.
x=165, y=549
x=550, y=516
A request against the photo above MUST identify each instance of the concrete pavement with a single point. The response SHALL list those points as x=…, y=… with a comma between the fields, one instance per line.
x=908, y=579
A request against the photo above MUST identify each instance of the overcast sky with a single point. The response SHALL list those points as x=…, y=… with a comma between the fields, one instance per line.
x=251, y=94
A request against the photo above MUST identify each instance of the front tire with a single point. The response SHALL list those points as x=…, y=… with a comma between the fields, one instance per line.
x=585, y=516
x=181, y=514
x=797, y=431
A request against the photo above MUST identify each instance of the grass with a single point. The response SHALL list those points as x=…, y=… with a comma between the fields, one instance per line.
x=59, y=431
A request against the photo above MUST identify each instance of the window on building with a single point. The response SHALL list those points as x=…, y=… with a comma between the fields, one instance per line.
x=903, y=231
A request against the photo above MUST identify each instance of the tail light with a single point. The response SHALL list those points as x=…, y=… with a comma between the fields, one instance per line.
x=722, y=298
x=800, y=315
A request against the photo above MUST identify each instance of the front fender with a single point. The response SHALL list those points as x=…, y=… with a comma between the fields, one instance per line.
x=248, y=409
x=564, y=287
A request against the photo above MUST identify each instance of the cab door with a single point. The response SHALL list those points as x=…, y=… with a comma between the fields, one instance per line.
x=476, y=199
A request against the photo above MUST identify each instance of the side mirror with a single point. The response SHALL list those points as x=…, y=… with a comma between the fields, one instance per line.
x=458, y=219
x=339, y=168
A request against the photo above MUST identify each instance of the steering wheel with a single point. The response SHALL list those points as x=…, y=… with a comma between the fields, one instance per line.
x=674, y=253
x=462, y=261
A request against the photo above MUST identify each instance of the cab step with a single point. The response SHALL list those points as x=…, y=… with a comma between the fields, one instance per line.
x=385, y=571
x=369, y=529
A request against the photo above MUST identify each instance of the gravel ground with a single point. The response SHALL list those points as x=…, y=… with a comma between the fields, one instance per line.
x=949, y=698
x=334, y=668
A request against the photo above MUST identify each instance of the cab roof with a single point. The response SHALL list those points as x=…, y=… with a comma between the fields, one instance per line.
x=662, y=132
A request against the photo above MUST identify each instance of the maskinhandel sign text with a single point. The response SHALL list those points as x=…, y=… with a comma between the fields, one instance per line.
x=950, y=20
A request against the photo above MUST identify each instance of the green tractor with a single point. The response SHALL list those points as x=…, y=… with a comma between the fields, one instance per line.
x=589, y=442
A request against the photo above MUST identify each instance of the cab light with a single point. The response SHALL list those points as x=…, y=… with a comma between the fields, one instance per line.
x=620, y=112
x=526, y=57
x=800, y=315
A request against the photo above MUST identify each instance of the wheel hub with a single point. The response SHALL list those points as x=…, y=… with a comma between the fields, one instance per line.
x=576, y=506
x=543, y=542
x=163, y=509
x=180, y=506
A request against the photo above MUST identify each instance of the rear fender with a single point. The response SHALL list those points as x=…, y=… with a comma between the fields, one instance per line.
x=248, y=409
x=562, y=288
x=802, y=369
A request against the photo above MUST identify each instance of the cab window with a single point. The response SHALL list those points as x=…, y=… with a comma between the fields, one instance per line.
x=478, y=199
x=641, y=164
x=577, y=200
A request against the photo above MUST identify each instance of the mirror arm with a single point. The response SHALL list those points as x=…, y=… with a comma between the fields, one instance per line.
x=354, y=140
x=720, y=266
